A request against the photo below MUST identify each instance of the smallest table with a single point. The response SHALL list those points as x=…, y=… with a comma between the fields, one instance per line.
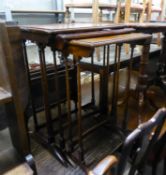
x=85, y=48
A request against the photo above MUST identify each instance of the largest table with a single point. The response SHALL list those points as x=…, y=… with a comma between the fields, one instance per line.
x=46, y=35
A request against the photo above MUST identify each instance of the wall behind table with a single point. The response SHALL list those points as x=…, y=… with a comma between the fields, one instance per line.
x=27, y=18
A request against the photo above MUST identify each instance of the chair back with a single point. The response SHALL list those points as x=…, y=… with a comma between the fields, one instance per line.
x=140, y=145
x=14, y=80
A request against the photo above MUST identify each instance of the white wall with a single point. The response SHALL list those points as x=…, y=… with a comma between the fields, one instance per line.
x=27, y=4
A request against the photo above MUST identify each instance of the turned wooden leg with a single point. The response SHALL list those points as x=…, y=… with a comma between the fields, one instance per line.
x=115, y=88
x=142, y=81
x=79, y=116
x=30, y=86
x=61, y=131
x=68, y=105
x=44, y=83
x=126, y=118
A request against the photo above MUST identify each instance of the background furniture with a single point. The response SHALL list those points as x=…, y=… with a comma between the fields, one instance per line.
x=96, y=6
x=13, y=92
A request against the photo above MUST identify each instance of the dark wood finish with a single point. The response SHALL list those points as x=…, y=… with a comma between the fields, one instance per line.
x=58, y=37
x=85, y=48
x=63, y=39
x=13, y=81
x=33, y=31
x=46, y=35
x=5, y=91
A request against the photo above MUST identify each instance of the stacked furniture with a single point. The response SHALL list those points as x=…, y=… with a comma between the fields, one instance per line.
x=80, y=40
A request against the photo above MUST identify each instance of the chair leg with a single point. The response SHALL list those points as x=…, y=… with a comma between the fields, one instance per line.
x=30, y=161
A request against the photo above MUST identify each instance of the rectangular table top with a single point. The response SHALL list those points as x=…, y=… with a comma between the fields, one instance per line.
x=151, y=27
x=71, y=27
x=105, y=40
x=80, y=27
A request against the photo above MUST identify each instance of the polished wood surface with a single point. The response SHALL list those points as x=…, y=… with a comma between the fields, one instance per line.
x=100, y=41
x=153, y=27
x=63, y=39
x=47, y=33
x=5, y=90
x=71, y=27
x=104, y=165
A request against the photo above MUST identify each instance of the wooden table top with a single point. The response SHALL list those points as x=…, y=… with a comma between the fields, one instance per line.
x=63, y=39
x=72, y=27
x=101, y=41
x=66, y=28
x=151, y=27
x=49, y=32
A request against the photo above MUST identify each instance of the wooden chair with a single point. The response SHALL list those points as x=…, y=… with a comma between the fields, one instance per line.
x=14, y=90
x=127, y=8
x=152, y=9
x=144, y=146
x=97, y=7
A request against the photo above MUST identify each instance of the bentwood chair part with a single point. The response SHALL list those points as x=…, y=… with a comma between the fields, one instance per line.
x=144, y=147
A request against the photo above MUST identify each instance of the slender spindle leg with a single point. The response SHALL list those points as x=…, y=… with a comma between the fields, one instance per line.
x=142, y=82
x=104, y=74
x=129, y=70
x=70, y=138
x=92, y=83
x=44, y=82
x=161, y=71
x=79, y=115
x=162, y=61
x=103, y=85
x=104, y=55
x=116, y=83
x=113, y=109
x=61, y=131
x=30, y=85
x=108, y=57
x=107, y=74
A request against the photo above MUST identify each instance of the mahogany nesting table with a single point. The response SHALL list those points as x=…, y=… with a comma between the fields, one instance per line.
x=80, y=40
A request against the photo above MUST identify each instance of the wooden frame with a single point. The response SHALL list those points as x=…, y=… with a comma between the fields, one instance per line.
x=15, y=84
